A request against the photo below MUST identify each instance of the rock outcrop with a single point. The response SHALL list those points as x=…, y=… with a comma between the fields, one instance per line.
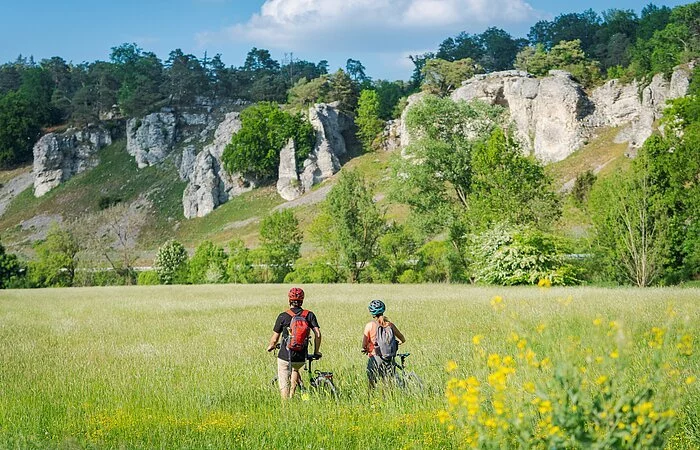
x=150, y=139
x=209, y=185
x=553, y=116
x=288, y=184
x=59, y=156
x=325, y=159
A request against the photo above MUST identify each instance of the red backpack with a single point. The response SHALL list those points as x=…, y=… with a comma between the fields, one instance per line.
x=298, y=331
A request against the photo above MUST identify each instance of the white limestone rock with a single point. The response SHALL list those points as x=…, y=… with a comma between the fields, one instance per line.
x=150, y=139
x=288, y=184
x=60, y=156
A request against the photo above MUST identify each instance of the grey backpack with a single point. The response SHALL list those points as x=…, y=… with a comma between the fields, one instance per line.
x=386, y=345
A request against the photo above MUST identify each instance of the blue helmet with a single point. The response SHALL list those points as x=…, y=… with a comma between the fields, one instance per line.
x=376, y=307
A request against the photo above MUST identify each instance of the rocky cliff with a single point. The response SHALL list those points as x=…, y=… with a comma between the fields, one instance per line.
x=59, y=156
x=554, y=116
x=324, y=161
x=209, y=185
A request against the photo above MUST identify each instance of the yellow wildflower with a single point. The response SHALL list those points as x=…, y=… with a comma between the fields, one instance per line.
x=598, y=321
x=451, y=366
x=614, y=354
x=685, y=345
x=540, y=328
x=545, y=407
x=497, y=303
x=522, y=343
x=544, y=283
x=529, y=387
x=493, y=360
x=690, y=380
x=601, y=380
x=546, y=363
x=443, y=416
x=477, y=338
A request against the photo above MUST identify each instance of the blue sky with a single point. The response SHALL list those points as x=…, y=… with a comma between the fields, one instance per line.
x=380, y=33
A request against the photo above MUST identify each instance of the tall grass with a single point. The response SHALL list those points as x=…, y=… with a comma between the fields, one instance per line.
x=185, y=367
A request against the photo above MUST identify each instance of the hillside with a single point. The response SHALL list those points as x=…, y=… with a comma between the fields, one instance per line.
x=159, y=191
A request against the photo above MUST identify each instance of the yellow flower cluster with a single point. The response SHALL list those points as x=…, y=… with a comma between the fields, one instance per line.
x=517, y=401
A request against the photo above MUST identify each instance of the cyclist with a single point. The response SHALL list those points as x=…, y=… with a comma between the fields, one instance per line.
x=378, y=366
x=289, y=362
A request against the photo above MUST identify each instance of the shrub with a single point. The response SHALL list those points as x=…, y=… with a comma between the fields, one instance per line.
x=148, y=278
x=171, y=263
x=512, y=256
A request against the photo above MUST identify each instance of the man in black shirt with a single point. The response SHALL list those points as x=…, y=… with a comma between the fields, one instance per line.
x=289, y=362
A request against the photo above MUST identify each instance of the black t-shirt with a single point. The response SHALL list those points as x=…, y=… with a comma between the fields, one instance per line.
x=282, y=324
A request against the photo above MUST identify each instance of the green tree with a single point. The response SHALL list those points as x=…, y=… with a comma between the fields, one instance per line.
x=441, y=77
x=509, y=187
x=350, y=226
x=19, y=128
x=398, y=249
x=186, y=78
x=369, y=125
x=265, y=129
x=171, y=263
x=305, y=93
x=437, y=188
x=10, y=268
x=239, y=267
x=631, y=228
x=344, y=91
x=208, y=264
x=57, y=259
x=280, y=243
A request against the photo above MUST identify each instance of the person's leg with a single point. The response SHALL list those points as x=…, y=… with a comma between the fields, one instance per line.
x=283, y=372
x=372, y=372
x=294, y=382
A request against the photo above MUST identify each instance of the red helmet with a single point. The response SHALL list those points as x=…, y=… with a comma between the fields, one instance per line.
x=296, y=295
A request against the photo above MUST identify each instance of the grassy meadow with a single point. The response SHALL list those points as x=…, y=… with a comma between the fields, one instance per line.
x=186, y=367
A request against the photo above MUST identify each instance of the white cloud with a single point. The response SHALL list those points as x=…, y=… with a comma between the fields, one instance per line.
x=363, y=25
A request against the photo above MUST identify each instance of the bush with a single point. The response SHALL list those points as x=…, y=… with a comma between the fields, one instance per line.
x=316, y=271
x=171, y=263
x=208, y=265
x=148, y=278
x=512, y=256
x=582, y=187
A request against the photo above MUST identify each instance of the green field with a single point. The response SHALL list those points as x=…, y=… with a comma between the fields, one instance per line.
x=185, y=366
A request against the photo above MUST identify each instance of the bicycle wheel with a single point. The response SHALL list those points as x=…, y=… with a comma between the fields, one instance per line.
x=411, y=382
x=327, y=387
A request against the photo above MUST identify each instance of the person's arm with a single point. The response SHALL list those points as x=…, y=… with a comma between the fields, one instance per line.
x=273, y=341
x=398, y=334
x=317, y=341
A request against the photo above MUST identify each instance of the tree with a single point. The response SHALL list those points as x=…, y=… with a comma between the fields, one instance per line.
x=630, y=227
x=566, y=55
x=350, y=226
x=343, y=90
x=57, y=258
x=171, y=263
x=508, y=187
x=265, y=129
x=435, y=179
x=186, y=77
x=141, y=76
x=356, y=70
x=499, y=49
x=117, y=229
x=208, y=264
x=19, y=128
x=369, y=125
x=306, y=93
x=280, y=242
x=10, y=268
x=238, y=266
x=441, y=77
x=462, y=46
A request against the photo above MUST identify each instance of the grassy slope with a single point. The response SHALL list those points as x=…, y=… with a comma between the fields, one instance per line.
x=185, y=366
x=118, y=177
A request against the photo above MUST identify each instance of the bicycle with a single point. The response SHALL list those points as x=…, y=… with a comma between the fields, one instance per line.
x=406, y=380
x=321, y=381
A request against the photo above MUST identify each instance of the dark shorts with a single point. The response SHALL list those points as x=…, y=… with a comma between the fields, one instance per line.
x=378, y=368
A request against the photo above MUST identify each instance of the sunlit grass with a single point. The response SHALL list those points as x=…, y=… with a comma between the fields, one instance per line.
x=185, y=367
